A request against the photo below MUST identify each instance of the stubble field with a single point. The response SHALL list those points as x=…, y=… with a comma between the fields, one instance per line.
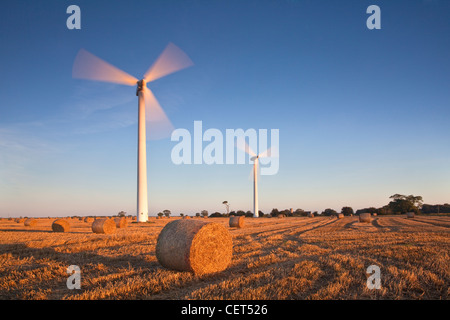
x=276, y=259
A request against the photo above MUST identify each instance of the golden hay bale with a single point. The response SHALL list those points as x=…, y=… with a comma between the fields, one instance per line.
x=121, y=222
x=410, y=215
x=30, y=222
x=365, y=217
x=280, y=215
x=340, y=216
x=237, y=222
x=88, y=219
x=374, y=214
x=186, y=217
x=310, y=215
x=194, y=245
x=104, y=226
x=60, y=225
x=20, y=220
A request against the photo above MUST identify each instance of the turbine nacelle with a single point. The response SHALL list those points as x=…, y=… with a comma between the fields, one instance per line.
x=254, y=158
x=141, y=84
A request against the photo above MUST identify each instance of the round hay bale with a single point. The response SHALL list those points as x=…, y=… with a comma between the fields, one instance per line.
x=365, y=217
x=186, y=217
x=104, y=226
x=340, y=216
x=193, y=245
x=60, y=225
x=121, y=222
x=30, y=222
x=88, y=219
x=374, y=214
x=310, y=215
x=237, y=222
x=410, y=215
x=280, y=215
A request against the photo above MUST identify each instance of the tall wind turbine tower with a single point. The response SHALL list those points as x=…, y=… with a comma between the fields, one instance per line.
x=255, y=186
x=255, y=158
x=172, y=59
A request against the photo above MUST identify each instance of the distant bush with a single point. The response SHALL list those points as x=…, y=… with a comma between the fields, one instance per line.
x=346, y=211
x=329, y=212
x=436, y=208
x=249, y=214
x=217, y=215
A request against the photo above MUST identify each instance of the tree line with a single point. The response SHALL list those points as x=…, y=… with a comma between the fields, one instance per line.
x=398, y=204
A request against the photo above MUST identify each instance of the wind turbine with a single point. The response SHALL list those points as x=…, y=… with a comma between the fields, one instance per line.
x=241, y=144
x=172, y=59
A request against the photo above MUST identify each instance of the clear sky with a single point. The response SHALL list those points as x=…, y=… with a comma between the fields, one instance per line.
x=362, y=114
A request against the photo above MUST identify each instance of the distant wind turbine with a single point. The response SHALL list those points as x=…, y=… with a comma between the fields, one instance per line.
x=172, y=59
x=241, y=144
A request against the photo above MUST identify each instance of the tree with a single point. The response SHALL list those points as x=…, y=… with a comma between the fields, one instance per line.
x=160, y=214
x=329, y=212
x=197, y=214
x=205, y=213
x=227, y=206
x=402, y=204
x=299, y=213
x=346, y=211
x=274, y=212
x=167, y=213
x=121, y=214
x=437, y=208
x=249, y=214
x=417, y=201
x=216, y=214
x=384, y=210
x=368, y=210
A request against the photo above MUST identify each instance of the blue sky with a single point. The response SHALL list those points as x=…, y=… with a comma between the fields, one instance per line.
x=363, y=114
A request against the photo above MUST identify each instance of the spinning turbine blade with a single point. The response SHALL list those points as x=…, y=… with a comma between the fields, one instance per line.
x=91, y=67
x=158, y=124
x=272, y=151
x=243, y=145
x=172, y=59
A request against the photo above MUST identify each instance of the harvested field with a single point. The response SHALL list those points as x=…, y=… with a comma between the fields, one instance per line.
x=290, y=258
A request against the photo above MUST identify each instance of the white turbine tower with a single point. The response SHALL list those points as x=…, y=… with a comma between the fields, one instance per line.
x=241, y=144
x=172, y=59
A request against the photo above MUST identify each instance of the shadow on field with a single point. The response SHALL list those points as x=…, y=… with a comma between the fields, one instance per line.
x=25, y=230
x=82, y=258
x=38, y=261
x=44, y=231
